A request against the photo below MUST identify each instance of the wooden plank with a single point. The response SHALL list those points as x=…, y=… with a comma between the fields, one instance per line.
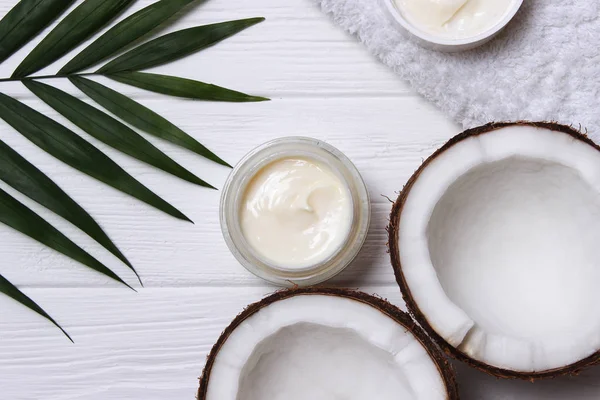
x=152, y=345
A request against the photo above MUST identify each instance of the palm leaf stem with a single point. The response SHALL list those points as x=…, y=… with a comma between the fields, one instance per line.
x=49, y=77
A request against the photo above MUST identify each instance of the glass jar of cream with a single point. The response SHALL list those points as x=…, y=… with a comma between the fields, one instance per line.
x=295, y=211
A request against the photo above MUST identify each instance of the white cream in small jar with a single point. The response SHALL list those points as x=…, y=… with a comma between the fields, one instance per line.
x=295, y=211
x=454, y=19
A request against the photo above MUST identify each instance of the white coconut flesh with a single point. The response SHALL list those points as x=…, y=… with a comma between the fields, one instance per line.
x=321, y=347
x=499, y=243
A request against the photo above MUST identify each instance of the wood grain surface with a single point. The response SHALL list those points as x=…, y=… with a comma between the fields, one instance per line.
x=152, y=344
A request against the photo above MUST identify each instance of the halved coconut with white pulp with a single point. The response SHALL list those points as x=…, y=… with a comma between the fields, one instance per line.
x=495, y=244
x=324, y=344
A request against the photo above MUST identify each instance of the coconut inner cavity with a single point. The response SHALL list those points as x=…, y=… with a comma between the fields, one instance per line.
x=308, y=361
x=322, y=347
x=515, y=245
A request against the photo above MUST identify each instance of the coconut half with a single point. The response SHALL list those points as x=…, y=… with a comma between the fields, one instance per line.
x=494, y=242
x=323, y=344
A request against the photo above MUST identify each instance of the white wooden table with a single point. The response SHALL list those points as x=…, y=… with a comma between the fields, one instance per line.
x=152, y=345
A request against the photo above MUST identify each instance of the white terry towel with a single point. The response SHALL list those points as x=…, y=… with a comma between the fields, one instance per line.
x=545, y=65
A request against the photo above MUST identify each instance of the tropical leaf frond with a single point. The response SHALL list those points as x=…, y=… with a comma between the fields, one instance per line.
x=124, y=33
x=182, y=87
x=80, y=24
x=73, y=150
x=23, y=23
x=25, y=177
x=108, y=130
x=21, y=218
x=25, y=20
x=14, y=293
x=141, y=117
x=176, y=45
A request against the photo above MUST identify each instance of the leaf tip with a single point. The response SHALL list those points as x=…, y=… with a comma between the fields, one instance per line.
x=258, y=98
x=136, y=273
x=116, y=277
x=61, y=329
x=67, y=335
x=182, y=216
x=207, y=185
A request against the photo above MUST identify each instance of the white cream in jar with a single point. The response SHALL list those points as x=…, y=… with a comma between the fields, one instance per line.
x=296, y=212
x=454, y=19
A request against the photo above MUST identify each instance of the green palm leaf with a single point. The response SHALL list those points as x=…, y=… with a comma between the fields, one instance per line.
x=11, y=291
x=19, y=217
x=181, y=87
x=22, y=23
x=124, y=33
x=65, y=145
x=25, y=20
x=141, y=117
x=80, y=24
x=176, y=45
x=27, y=179
x=108, y=130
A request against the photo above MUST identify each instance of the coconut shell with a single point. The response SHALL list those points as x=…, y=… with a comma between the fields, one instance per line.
x=396, y=214
x=444, y=367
